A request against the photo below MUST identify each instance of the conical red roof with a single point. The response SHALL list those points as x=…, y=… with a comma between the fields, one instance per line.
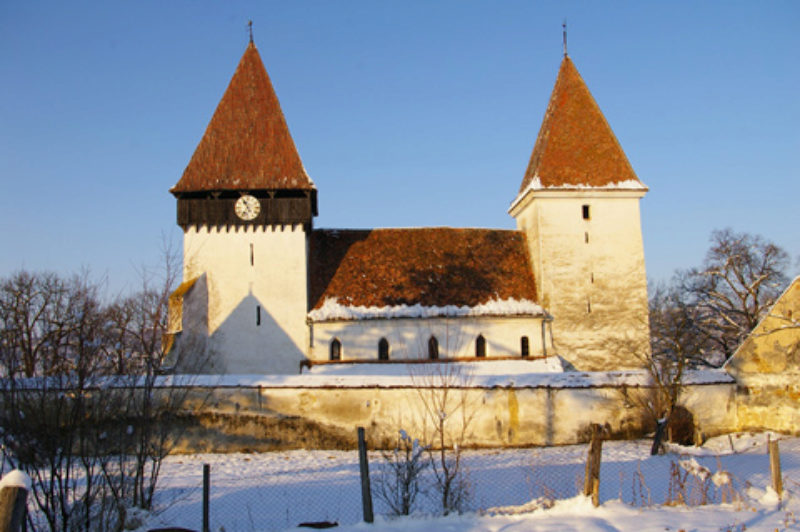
x=576, y=147
x=247, y=145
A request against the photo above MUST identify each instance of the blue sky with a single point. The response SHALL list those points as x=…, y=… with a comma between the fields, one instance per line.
x=404, y=113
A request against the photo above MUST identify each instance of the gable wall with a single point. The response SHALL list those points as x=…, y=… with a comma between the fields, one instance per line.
x=767, y=368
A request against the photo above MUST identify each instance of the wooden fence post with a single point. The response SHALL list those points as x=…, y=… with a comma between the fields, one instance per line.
x=13, y=499
x=206, y=496
x=366, y=492
x=591, y=480
x=775, y=466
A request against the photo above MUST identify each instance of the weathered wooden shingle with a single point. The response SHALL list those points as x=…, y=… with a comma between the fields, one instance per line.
x=433, y=267
x=575, y=145
x=247, y=145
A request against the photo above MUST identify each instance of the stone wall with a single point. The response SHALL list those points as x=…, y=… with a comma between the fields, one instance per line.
x=767, y=368
x=497, y=416
x=589, y=271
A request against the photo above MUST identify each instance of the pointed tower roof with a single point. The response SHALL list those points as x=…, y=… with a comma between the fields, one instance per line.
x=247, y=145
x=576, y=147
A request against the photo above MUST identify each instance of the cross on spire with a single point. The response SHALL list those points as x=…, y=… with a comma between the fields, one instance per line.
x=564, y=31
x=250, y=29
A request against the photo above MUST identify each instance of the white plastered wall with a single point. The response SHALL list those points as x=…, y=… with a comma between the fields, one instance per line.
x=257, y=293
x=408, y=338
x=590, y=273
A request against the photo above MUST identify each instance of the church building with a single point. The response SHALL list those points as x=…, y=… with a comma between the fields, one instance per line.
x=266, y=292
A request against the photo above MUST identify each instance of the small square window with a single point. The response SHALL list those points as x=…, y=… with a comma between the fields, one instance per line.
x=586, y=213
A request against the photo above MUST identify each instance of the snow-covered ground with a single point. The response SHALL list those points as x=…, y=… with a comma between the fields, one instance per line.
x=510, y=490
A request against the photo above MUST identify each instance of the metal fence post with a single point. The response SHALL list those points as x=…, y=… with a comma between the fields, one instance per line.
x=206, y=495
x=366, y=492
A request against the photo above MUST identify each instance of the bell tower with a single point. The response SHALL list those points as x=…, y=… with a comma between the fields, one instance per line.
x=578, y=205
x=246, y=207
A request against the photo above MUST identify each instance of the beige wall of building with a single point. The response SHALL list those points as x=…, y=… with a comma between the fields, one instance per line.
x=256, y=289
x=590, y=272
x=767, y=368
x=408, y=338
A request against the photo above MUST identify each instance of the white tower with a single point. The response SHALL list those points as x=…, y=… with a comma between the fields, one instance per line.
x=246, y=206
x=579, y=207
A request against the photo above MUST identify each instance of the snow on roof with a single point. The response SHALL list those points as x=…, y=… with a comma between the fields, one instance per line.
x=550, y=372
x=484, y=374
x=536, y=184
x=332, y=310
x=15, y=479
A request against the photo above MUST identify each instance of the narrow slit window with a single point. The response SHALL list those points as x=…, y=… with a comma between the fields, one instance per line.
x=258, y=314
x=588, y=305
x=383, y=349
x=586, y=237
x=586, y=213
x=525, y=349
x=480, y=346
x=252, y=257
x=336, y=349
x=433, y=348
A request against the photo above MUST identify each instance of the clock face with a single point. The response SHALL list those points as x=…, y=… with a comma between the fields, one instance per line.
x=247, y=207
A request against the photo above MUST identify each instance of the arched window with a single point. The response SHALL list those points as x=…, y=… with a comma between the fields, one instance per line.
x=480, y=346
x=383, y=349
x=336, y=349
x=524, y=347
x=433, y=348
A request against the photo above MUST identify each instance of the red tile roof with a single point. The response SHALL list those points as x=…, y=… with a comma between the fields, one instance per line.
x=247, y=145
x=433, y=267
x=575, y=145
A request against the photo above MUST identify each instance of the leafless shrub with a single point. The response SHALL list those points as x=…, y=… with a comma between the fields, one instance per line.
x=400, y=480
x=640, y=490
x=693, y=484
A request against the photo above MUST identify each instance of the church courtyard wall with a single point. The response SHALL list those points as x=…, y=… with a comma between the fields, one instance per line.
x=498, y=416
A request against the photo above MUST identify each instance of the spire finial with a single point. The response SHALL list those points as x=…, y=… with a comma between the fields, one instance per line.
x=250, y=28
x=564, y=31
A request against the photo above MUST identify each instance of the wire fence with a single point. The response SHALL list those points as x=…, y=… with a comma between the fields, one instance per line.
x=285, y=490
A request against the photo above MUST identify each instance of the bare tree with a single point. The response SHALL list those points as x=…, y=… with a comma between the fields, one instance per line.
x=81, y=396
x=675, y=346
x=139, y=327
x=53, y=337
x=741, y=278
x=447, y=414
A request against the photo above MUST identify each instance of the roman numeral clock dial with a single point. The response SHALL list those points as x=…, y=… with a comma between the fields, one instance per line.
x=247, y=207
